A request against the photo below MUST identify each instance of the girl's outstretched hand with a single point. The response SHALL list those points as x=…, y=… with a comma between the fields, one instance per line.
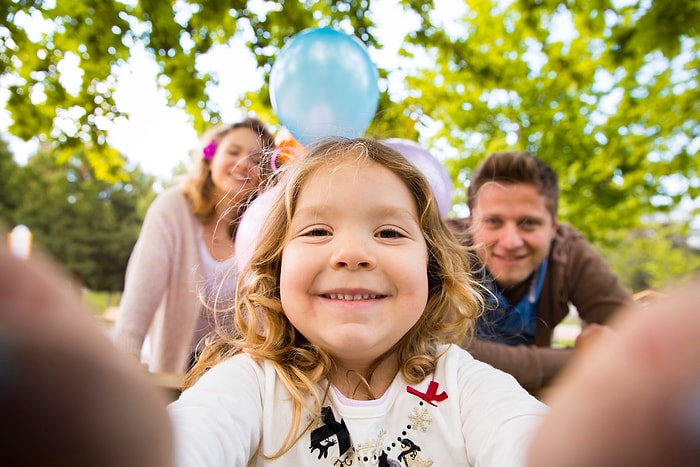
x=67, y=396
x=632, y=398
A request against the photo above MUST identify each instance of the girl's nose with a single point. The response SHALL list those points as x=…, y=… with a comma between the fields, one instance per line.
x=352, y=252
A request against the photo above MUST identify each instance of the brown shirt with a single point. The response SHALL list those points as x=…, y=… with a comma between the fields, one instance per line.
x=576, y=275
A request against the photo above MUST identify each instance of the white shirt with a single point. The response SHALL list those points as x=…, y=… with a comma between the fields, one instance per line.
x=216, y=288
x=241, y=407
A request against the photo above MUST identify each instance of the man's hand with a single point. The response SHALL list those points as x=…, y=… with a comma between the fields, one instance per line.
x=593, y=334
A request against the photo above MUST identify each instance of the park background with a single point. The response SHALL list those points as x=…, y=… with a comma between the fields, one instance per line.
x=103, y=101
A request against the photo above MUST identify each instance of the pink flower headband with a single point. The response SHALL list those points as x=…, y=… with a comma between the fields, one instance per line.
x=209, y=150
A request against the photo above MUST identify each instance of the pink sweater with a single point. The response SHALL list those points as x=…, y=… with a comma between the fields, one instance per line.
x=160, y=294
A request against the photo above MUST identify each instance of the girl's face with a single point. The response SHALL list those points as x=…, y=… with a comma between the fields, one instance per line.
x=235, y=167
x=354, y=270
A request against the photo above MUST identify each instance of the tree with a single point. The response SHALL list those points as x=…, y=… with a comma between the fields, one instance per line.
x=656, y=257
x=88, y=225
x=613, y=114
x=612, y=105
x=10, y=189
x=99, y=35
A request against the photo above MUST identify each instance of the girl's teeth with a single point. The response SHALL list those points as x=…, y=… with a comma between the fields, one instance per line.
x=335, y=296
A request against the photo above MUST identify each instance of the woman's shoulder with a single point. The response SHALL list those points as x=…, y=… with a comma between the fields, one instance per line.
x=171, y=202
x=171, y=196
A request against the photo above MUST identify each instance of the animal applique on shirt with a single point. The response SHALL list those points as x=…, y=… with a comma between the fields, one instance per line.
x=391, y=444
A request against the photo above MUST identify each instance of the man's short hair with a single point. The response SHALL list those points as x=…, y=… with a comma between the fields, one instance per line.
x=516, y=167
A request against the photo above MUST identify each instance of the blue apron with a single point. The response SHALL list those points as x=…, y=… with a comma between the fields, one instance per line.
x=510, y=324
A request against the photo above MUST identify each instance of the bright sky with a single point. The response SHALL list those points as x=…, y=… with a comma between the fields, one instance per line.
x=158, y=137
x=155, y=135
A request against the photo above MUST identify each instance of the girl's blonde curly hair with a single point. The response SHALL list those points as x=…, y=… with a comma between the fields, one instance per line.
x=257, y=325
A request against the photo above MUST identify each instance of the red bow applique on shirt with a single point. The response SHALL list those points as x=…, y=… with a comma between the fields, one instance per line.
x=430, y=396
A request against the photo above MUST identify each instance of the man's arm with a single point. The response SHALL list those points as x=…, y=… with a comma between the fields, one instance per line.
x=594, y=289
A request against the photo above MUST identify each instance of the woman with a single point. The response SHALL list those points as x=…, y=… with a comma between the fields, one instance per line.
x=185, y=245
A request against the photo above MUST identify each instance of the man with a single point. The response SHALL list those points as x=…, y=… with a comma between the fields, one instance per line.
x=534, y=268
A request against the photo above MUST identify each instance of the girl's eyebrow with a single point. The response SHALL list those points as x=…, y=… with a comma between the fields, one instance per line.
x=387, y=211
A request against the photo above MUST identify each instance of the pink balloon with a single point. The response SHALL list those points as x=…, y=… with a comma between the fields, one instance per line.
x=251, y=225
x=430, y=167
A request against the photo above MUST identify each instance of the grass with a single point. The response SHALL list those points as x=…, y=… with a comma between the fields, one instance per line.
x=566, y=339
x=99, y=301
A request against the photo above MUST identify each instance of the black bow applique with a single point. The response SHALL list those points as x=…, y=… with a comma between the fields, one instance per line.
x=320, y=437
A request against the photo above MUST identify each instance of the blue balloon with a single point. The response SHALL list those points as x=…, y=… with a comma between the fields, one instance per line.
x=323, y=83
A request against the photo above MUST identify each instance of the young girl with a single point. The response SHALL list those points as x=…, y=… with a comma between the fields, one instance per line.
x=339, y=351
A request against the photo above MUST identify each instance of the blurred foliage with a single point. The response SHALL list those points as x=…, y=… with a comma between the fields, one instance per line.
x=10, y=189
x=655, y=257
x=88, y=225
x=605, y=91
x=99, y=302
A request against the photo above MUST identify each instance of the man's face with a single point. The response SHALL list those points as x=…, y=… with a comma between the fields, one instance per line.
x=512, y=229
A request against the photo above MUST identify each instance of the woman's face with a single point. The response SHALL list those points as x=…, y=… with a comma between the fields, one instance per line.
x=235, y=167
